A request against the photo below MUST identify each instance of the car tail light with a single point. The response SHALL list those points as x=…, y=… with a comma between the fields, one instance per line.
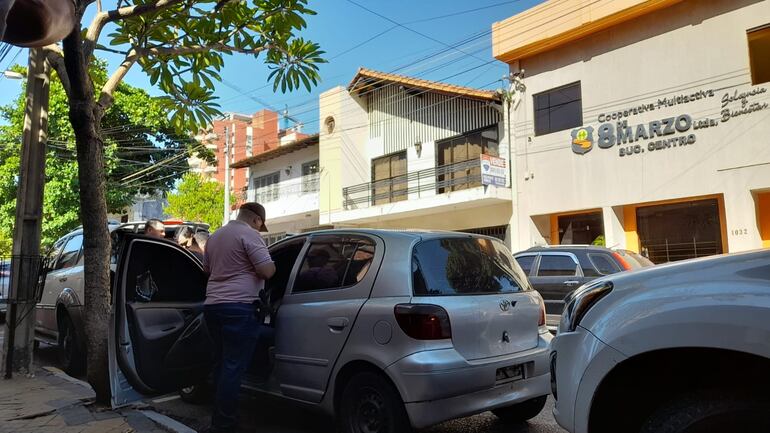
x=623, y=263
x=423, y=321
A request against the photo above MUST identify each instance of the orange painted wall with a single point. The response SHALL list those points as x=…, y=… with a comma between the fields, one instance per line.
x=763, y=218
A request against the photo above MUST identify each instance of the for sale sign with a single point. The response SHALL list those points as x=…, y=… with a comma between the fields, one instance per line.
x=493, y=171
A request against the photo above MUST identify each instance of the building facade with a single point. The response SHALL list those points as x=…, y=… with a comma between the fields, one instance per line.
x=642, y=125
x=286, y=181
x=404, y=153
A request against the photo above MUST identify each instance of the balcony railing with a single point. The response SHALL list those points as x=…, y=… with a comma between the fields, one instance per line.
x=290, y=188
x=437, y=180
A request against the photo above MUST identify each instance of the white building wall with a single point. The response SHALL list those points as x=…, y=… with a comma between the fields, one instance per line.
x=292, y=206
x=683, y=49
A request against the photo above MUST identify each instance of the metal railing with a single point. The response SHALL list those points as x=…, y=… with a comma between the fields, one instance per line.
x=309, y=184
x=439, y=180
x=663, y=250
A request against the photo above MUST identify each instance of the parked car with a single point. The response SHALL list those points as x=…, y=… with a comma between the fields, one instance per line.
x=5, y=275
x=555, y=271
x=413, y=328
x=677, y=348
x=59, y=314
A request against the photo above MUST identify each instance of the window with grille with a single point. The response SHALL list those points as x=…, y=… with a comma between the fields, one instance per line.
x=558, y=109
x=266, y=187
x=310, y=177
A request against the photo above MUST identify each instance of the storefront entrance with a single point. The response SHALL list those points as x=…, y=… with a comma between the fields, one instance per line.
x=581, y=229
x=763, y=218
x=679, y=231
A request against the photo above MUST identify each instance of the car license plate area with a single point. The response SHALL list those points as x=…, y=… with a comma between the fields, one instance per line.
x=509, y=374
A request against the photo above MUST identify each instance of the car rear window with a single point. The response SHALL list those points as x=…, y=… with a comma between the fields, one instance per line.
x=465, y=266
x=604, y=263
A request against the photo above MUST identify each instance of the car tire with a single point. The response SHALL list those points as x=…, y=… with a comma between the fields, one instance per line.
x=708, y=412
x=521, y=412
x=71, y=353
x=371, y=404
x=196, y=394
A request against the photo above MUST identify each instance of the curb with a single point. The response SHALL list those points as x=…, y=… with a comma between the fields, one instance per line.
x=62, y=375
x=170, y=424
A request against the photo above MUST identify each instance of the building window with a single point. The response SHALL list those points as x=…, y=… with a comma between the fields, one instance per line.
x=759, y=54
x=310, y=177
x=558, y=109
x=249, y=145
x=457, y=159
x=266, y=187
x=389, y=178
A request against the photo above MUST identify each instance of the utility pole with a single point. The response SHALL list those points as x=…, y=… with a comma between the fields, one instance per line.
x=227, y=176
x=26, y=261
x=511, y=97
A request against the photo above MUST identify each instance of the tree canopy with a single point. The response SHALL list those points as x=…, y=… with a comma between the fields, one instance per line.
x=199, y=200
x=128, y=149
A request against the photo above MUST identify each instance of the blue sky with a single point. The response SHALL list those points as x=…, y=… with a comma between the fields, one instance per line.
x=343, y=29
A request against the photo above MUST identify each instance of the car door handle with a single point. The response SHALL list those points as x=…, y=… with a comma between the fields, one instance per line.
x=337, y=324
x=62, y=279
x=571, y=283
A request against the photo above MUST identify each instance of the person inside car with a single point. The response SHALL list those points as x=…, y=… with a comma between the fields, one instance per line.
x=155, y=228
x=238, y=263
x=318, y=272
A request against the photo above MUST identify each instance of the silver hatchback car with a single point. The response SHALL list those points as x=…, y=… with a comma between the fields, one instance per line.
x=385, y=330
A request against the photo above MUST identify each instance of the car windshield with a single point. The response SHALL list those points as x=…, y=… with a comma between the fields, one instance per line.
x=465, y=266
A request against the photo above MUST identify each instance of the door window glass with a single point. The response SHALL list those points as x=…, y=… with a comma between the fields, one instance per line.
x=163, y=273
x=464, y=266
x=526, y=263
x=604, y=264
x=333, y=262
x=53, y=255
x=70, y=254
x=284, y=258
x=556, y=266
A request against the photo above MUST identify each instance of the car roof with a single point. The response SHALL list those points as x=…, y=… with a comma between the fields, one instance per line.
x=393, y=234
x=566, y=248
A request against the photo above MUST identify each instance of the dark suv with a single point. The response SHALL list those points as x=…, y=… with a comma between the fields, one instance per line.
x=555, y=271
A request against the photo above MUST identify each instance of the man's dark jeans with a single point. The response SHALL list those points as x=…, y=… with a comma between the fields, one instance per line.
x=234, y=330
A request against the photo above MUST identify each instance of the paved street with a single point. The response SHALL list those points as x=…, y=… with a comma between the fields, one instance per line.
x=266, y=414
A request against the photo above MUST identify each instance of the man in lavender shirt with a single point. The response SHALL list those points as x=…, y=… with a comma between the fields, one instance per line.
x=238, y=263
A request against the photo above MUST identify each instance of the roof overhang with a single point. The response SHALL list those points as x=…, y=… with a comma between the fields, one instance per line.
x=555, y=23
x=368, y=79
x=279, y=151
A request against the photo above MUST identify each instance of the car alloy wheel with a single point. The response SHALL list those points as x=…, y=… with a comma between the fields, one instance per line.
x=371, y=404
x=370, y=412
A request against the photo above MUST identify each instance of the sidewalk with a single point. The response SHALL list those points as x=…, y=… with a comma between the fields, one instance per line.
x=52, y=402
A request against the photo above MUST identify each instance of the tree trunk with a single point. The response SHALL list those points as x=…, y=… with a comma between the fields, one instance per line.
x=85, y=116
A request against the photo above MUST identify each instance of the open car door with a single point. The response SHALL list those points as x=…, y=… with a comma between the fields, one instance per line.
x=158, y=341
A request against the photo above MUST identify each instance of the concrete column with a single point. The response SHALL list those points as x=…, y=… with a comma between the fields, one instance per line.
x=25, y=265
x=614, y=233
